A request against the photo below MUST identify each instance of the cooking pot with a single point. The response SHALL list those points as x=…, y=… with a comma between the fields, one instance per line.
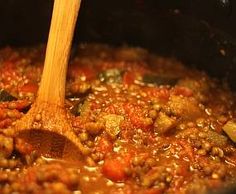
x=200, y=33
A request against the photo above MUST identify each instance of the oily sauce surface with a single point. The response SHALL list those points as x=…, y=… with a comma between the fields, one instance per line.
x=153, y=126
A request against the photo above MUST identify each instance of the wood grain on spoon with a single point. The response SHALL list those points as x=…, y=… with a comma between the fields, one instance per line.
x=47, y=126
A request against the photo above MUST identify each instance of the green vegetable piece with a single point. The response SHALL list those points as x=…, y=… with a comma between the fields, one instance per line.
x=230, y=129
x=159, y=80
x=111, y=76
x=5, y=96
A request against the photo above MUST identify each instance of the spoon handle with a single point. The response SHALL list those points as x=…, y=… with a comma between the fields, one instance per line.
x=52, y=86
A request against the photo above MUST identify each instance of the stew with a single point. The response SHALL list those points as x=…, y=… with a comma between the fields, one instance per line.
x=153, y=125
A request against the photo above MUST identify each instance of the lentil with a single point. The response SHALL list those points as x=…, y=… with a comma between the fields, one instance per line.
x=83, y=136
x=38, y=117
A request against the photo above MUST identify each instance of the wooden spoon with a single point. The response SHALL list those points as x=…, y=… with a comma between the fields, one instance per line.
x=47, y=125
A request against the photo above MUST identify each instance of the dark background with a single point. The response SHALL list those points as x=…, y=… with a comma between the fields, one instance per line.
x=195, y=31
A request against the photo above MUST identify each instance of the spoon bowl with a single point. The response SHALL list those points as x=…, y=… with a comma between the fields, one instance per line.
x=47, y=128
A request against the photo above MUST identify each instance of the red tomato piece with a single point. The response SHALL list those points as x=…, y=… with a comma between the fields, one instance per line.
x=29, y=87
x=136, y=115
x=5, y=123
x=104, y=145
x=114, y=167
x=3, y=113
x=128, y=78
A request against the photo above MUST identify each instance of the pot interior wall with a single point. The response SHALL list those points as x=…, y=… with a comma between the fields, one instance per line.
x=199, y=33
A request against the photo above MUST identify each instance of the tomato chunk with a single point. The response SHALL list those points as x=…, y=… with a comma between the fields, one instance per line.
x=29, y=87
x=114, y=168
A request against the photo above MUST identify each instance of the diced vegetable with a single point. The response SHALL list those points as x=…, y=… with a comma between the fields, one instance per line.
x=115, y=167
x=5, y=96
x=29, y=88
x=113, y=124
x=85, y=108
x=75, y=110
x=164, y=123
x=114, y=170
x=104, y=145
x=159, y=80
x=185, y=107
x=94, y=128
x=216, y=139
x=195, y=85
x=77, y=105
x=230, y=129
x=111, y=76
